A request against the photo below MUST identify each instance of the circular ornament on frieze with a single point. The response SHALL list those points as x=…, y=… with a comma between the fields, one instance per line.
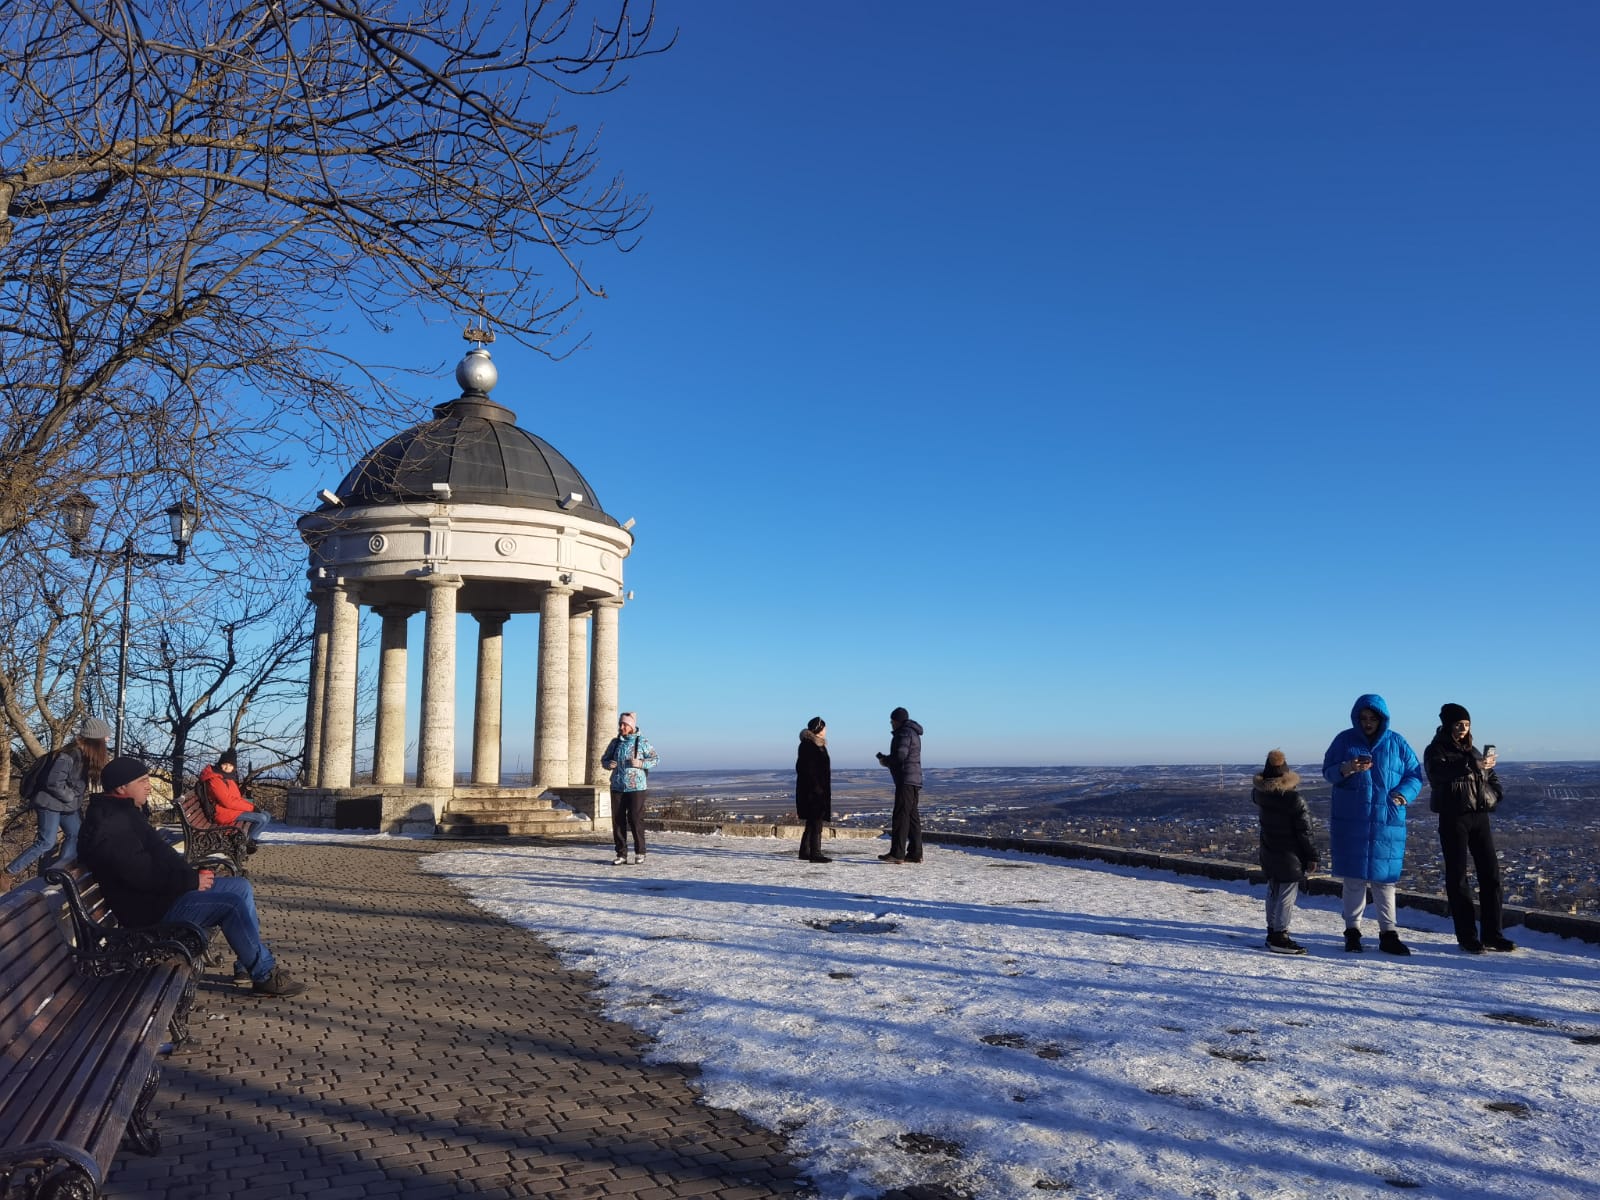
x=606, y=560
x=377, y=543
x=506, y=547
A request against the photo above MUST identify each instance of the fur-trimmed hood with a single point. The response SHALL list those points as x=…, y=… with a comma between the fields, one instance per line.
x=1286, y=782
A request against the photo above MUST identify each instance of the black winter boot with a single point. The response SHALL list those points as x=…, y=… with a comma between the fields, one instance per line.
x=1389, y=942
x=1279, y=942
x=1352, y=941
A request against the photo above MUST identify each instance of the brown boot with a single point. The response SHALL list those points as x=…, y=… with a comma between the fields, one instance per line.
x=279, y=983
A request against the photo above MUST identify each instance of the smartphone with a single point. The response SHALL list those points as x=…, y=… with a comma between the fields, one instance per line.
x=1488, y=750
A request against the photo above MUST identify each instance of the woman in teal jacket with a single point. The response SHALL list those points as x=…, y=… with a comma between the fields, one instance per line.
x=630, y=759
x=1375, y=776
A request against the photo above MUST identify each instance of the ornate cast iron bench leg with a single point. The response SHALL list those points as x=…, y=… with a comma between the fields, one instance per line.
x=141, y=1134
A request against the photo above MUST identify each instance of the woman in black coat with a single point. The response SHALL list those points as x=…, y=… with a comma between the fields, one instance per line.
x=813, y=788
x=1465, y=789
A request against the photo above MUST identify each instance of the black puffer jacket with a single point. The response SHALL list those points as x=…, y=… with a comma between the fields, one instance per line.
x=905, y=754
x=1456, y=777
x=1287, y=851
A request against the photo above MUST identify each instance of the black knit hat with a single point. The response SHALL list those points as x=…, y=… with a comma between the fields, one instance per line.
x=120, y=772
x=228, y=758
x=899, y=714
x=1451, y=713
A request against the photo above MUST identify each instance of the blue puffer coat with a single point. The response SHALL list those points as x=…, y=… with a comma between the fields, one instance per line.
x=1367, y=830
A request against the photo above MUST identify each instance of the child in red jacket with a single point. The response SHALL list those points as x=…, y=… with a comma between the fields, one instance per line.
x=218, y=788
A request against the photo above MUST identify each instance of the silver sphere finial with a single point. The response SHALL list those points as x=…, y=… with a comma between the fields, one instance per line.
x=476, y=372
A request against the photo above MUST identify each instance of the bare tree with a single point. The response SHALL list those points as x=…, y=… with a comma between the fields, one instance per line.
x=191, y=194
x=238, y=684
x=196, y=199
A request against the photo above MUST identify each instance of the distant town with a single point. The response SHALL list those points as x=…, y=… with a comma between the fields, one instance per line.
x=1547, y=830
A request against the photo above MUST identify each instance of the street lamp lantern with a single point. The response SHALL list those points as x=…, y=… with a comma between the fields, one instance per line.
x=77, y=516
x=182, y=516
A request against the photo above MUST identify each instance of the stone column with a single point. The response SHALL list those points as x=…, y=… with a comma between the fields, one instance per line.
x=436, y=735
x=577, y=698
x=389, y=738
x=339, y=688
x=316, y=690
x=602, y=684
x=486, y=711
x=550, y=722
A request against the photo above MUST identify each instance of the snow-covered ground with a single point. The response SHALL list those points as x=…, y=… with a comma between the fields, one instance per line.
x=1006, y=1026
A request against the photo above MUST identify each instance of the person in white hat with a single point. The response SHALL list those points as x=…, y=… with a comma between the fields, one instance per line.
x=58, y=797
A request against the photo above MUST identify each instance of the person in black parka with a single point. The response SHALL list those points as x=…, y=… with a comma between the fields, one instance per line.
x=1288, y=854
x=904, y=761
x=1464, y=790
x=813, y=788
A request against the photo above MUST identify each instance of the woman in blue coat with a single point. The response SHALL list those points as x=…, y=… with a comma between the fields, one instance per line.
x=1375, y=776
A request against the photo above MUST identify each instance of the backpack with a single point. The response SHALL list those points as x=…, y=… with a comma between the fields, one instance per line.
x=33, y=778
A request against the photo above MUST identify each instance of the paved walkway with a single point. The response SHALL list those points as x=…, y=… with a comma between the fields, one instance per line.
x=437, y=1052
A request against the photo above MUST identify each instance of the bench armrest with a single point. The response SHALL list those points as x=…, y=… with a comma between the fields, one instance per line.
x=104, y=948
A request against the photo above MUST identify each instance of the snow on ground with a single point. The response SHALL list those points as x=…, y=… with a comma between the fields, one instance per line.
x=1006, y=1026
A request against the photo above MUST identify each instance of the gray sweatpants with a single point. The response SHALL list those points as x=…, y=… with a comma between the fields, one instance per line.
x=1355, y=903
x=1281, y=895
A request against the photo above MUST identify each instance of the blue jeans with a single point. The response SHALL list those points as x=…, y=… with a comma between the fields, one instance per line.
x=50, y=823
x=229, y=904
x=253, y=823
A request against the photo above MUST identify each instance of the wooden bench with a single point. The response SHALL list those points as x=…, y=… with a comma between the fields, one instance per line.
x=82, y=1021
x=221, y=848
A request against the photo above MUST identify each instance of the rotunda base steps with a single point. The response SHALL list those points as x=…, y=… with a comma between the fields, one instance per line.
x=467, y=811
x=479, y=811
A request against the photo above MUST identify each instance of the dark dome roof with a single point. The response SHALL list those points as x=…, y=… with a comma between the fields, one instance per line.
x=474, y=445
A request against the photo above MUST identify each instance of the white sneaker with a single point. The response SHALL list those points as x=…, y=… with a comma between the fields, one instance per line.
x=620, y=860
x=639, y=861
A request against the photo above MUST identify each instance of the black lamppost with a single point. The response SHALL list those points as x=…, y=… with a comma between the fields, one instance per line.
x=78, y=516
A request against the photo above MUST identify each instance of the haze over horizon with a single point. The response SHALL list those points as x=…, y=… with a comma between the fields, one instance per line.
x=1106, y=385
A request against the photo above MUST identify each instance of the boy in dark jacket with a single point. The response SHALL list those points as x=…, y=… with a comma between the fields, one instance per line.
x=1288, y=854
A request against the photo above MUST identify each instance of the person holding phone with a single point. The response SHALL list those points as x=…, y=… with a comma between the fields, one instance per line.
x=630, y=759
x=1375, y=776
x=1463, y=790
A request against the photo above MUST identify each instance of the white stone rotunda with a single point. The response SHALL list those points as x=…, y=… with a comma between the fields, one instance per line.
x=463, y=513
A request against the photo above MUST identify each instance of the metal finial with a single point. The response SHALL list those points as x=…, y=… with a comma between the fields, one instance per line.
x=480, y=334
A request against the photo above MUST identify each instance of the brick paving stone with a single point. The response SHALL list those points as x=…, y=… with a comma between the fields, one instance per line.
x=438, y=1052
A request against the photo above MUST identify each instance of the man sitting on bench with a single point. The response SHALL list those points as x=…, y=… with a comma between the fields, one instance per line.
x=146, y=881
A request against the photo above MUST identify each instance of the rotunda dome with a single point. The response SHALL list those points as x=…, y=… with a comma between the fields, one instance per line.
x=474, y=446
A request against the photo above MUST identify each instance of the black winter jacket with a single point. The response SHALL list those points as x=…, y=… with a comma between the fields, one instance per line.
x=1456, y=778
x=905, y=754
x=813, y=779
x=139, y=873
x=1287, y=850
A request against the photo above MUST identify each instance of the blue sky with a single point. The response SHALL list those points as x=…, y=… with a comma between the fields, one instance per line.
x=1103, y=383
